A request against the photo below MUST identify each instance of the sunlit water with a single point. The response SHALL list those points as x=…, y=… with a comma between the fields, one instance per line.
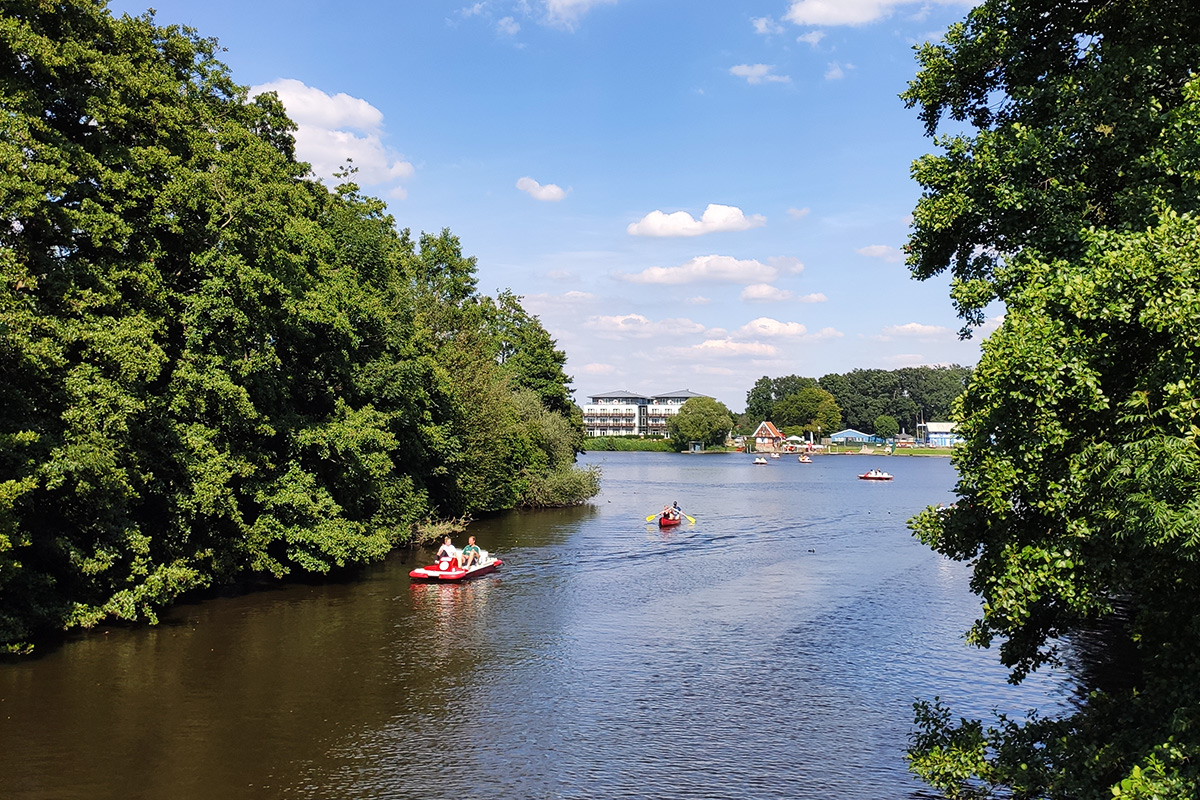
x=771, y=650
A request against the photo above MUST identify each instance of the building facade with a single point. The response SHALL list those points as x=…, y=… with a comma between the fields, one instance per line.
x=624, y=413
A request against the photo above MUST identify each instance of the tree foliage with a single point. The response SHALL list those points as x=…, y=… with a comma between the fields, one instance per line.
x=212, y=365
x=700, y=419
x=1078, y=505
x=810, y=410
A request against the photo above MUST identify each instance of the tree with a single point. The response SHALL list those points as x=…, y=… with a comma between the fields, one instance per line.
x=1078, y=494
x=700, y=419
x=760, y=401
x=211, y=365
x=886, y=426
x=811, y=409
x=1073, y=106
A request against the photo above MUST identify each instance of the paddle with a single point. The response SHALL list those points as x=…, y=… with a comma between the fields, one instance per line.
x=653, y=517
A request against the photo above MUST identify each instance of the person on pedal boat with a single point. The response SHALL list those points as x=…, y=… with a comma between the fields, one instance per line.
x=470, y=554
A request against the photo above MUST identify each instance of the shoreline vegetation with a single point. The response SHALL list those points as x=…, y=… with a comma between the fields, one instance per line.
x=217, y=369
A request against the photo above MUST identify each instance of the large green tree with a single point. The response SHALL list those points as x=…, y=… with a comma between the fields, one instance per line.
x=700, y=419
x=1078, y=500
x=810, y=410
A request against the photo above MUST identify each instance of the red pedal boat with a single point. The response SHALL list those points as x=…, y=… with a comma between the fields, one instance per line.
x=449, y=569
x=875, y=475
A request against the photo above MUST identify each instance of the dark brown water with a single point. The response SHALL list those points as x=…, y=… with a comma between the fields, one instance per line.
x=771, y=650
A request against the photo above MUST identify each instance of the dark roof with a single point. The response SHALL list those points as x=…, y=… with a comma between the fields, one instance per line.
x=619, y=393
x=680, y=393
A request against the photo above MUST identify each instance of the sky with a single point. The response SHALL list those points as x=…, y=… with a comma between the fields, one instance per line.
x=689, y=194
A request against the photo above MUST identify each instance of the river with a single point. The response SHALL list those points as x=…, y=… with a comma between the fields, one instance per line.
x=773, y=649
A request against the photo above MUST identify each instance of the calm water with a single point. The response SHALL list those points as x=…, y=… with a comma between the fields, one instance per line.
x=771, y=650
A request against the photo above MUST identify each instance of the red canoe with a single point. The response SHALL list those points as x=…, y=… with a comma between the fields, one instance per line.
x=667, y=522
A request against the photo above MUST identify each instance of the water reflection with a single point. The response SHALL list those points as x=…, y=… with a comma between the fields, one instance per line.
x=772, y=649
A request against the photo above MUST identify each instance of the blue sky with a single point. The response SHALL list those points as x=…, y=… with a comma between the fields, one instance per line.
x=688, y=193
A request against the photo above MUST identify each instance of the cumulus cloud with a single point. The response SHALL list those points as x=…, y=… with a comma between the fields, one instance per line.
x=886, y=252
x=637, y=326
x=758, y=73
x=728, y=347
x=548, y=193
x=725, y=269
x=816, y=297
x=716, y=218
x=765, y=25
x=798, y=213
x=825, y=333
x=334, y=129
x=765, y=293
x=853, y=12
x=567, y=13
x=698, y=300
x=812, y=37
x=508, y=26
x=915, y=330
x=765, y=326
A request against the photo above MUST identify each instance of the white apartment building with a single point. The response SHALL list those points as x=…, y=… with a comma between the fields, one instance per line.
x=624, y=413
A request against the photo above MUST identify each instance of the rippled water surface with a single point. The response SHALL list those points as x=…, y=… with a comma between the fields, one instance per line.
x=771, y=650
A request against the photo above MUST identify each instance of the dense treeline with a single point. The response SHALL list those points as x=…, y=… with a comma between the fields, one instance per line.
x=210, y=364
x=860, y=398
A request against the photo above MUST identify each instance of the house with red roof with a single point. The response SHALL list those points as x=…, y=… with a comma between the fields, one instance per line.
x=767, y=437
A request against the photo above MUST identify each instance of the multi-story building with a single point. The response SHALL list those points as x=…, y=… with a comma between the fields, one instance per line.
x=624, y=413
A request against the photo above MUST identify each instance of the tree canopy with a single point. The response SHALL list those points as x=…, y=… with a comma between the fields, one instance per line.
x=700, y=419
x=212, y=364
x=1073, y=203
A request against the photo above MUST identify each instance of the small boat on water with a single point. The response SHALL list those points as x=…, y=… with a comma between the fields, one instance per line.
x=875, y=475
x=805, y=460
x=448, y=568
x=668, y=522
x=760, y=461
x=774, y=455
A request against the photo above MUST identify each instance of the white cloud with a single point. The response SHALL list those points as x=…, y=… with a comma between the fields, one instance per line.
x=812, y=37
x=508, y=26
x=853, y=12
x=637, y=326
x=787, y=264
x=548, y=193
x=798, y=213
x=825, y=333
x=816, y=297
x=698, y=300
x=836, y=71
x=716, y=218
x=765, y=326
x=765, y=293
x=471, y=11
x=728, y=347
x=566, y=13
x=915, y=330
x=758, y=73
x=598, y=369
x=765, y=25
x=706, y=268
x=332, y=129
x=890, y=254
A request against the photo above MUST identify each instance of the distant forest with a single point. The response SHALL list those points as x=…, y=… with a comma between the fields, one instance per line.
x=857, y=399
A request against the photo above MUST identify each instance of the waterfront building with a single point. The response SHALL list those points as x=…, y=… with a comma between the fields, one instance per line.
x=623, y=413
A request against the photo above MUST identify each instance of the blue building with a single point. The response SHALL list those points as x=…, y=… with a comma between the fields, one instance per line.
x=851, y=436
